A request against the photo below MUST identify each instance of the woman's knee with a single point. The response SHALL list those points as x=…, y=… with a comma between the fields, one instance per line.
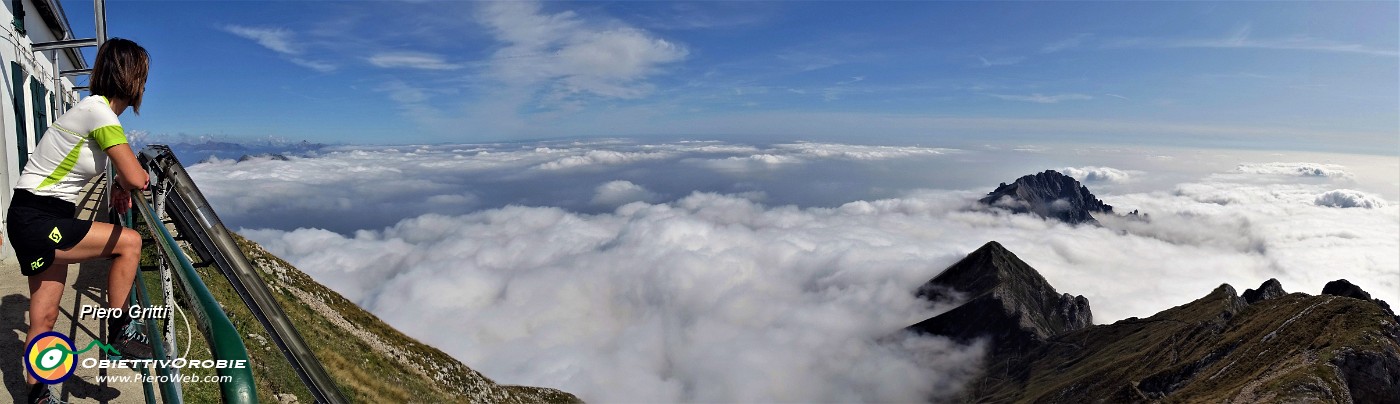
x=129, y=242
x=44, y=319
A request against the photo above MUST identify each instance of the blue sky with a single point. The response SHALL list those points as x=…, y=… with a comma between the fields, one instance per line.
x=1301, y=76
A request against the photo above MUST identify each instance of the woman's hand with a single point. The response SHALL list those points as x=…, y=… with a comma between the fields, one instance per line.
x=121, y=200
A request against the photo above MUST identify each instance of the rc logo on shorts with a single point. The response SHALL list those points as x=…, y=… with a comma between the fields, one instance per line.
x=50, y=358
x=37, y=264
x=55, y=236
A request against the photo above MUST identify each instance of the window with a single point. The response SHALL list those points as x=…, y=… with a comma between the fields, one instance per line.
x=18, y=23
x=41, y=107
x=17, y=75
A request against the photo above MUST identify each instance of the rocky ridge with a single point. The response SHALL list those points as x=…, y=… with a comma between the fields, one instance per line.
x=1265, y=346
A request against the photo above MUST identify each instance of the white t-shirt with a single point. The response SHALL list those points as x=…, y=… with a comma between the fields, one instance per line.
x=72, y=151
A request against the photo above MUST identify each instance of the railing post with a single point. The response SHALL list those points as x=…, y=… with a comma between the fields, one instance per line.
x=99, y=12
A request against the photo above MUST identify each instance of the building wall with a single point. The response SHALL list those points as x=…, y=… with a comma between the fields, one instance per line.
x=14, y=48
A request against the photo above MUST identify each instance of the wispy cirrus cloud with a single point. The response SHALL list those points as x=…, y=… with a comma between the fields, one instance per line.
x=1241, y=38
x=276, y=39
x=1065, y=44
x=1044, y=99
x=282, y=41
x=412, y=60
x=319, y=66
x=1000, y=61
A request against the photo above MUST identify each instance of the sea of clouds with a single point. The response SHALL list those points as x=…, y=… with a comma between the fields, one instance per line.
x=721, y=271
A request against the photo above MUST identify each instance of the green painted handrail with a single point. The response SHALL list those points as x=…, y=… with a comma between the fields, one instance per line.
x=225, y=343
x=168, y=389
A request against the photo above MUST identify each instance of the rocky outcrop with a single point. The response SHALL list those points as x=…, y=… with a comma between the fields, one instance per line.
x=1269, y=290
x=1049, y=195
x=1074, y=310
x=1371, y=376
x=1007, y=301
x=1265, y=346
x=1343, y=287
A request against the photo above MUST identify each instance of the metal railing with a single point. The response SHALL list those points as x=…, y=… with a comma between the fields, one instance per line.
x=175, y=194
x=225, y=343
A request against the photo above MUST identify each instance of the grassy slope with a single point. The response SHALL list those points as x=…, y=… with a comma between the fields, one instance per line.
x=1214, y=349
x=370, y=361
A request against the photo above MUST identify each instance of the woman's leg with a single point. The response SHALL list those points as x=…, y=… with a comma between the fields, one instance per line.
x=105, y=240
x=45, y=289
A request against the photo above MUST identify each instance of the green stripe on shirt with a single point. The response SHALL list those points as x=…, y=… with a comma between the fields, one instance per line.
x=108, y=136
x=65, y=167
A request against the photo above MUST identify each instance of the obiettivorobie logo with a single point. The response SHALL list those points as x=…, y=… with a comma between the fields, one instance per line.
x=51, y=359
x=50, y=356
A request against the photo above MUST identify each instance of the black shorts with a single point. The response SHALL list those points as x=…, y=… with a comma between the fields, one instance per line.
x=38, y=226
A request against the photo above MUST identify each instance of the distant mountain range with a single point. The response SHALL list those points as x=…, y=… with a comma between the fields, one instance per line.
x=1265, y=346
x=205, y=150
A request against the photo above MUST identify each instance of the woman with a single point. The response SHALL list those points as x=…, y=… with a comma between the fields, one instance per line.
x=45, y=235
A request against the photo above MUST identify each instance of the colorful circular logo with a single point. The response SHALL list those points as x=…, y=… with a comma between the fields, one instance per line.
x=49, y=357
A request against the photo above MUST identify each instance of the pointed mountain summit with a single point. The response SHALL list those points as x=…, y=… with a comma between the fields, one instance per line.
x=1049, y=195
x=1007, y=300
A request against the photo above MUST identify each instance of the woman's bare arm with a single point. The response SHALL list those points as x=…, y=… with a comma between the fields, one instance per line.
x=129, y=172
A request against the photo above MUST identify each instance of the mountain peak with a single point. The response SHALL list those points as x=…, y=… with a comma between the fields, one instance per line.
x=982, y=270
x=1269, y=290
x=1048, y=194
x=1006, y=300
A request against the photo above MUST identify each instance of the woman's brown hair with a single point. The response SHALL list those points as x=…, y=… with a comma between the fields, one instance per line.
x=120, y=71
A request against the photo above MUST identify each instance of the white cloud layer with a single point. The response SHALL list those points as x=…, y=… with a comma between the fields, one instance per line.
x=710, y=299
x=1097, y=174
x=860, y=152
x=619, y=192
x=644, y=290
x=1297, y=169
x=351, y=188
x=1346, y=198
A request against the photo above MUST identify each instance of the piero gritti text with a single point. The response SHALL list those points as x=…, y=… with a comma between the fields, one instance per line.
x=133, y=312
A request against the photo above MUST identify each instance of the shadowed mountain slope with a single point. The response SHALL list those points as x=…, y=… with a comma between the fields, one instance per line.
x=1271, y=347
x=1006, y=300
